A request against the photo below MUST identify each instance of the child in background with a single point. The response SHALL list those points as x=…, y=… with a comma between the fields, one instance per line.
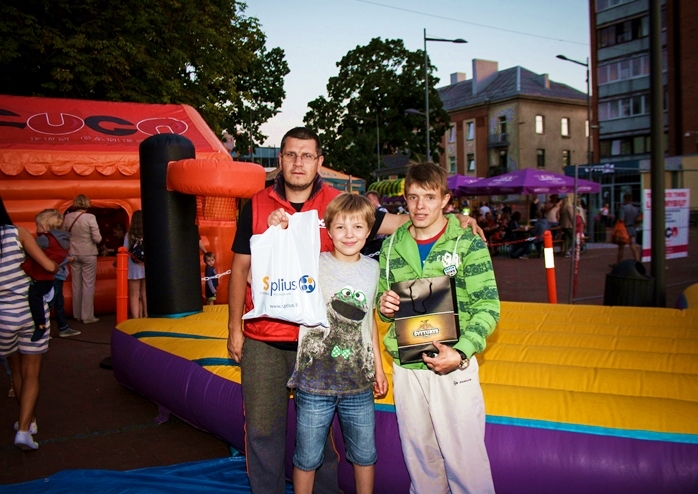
x=211, y=281
x=58, y=302
x=340, y=368
x=55, y=243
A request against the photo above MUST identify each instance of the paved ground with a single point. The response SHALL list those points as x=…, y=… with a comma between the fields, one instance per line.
x=87, y=420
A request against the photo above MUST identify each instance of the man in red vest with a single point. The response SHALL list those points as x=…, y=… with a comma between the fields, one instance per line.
x=266, y=351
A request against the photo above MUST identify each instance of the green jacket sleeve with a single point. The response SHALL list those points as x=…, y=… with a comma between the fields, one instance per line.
x=478, y=299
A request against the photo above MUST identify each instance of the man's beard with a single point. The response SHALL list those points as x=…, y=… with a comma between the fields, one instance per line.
x=298, y=187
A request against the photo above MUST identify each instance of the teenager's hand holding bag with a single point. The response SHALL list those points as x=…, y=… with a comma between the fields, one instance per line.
x=285, y=268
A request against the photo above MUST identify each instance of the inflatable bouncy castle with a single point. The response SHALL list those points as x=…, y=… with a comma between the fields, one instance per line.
x=54, y=149
x=578, y=398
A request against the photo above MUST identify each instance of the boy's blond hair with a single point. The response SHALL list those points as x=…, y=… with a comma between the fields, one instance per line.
x=350, y=205
x=50, y=219
x=209, y=255
x=428, y=176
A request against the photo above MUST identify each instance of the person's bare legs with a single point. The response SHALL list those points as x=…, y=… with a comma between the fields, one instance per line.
x=25, y=378
x=364, y=478
x=621, y=251
x=144, y=302
x=134, y=298
x=303, y=481
x=636, y=249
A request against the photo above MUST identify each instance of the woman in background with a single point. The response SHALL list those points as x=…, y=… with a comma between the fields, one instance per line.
x=137, y=302
x=16, y=324
x=84, y=238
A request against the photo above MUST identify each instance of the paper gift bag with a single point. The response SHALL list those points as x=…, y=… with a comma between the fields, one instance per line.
x=427, y=313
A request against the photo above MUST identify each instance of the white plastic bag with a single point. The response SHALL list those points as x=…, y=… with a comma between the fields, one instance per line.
x=285, y=265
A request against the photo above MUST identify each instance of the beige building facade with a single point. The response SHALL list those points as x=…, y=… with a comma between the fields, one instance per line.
x=507, y=120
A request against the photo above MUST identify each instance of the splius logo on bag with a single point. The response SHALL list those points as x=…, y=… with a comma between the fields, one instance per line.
x=306, y=284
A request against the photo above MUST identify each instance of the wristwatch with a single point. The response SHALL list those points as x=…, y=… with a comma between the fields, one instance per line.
x=464, y=360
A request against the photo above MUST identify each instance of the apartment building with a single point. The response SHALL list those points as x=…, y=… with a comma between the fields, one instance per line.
x=510, y=119
x=620, y=69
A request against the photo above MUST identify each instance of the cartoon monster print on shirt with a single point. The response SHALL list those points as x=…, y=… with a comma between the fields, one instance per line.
x=339, y=352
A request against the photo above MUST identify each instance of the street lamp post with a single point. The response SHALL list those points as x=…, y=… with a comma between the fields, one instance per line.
x=426, y=78
x=576, y=173
x=378, y=139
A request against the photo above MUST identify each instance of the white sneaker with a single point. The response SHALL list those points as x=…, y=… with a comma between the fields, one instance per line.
x=33, y=428
x=24, y=440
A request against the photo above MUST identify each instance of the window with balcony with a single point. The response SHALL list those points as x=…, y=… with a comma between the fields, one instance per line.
x=470, y=131
x=623, y=32
x=540, y=124
x=503, y=125
x=565, y=127
x=541, y=158
x=566, y=161
x=624, y=107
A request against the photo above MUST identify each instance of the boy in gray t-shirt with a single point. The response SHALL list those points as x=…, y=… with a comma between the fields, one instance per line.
x=340, y=368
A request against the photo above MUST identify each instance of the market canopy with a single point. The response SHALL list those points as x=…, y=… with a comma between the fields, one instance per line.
x=390, y=188
x=530, y=181
x=457, y=182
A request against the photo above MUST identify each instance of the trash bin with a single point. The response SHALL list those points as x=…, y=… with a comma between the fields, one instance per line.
x=628, y=284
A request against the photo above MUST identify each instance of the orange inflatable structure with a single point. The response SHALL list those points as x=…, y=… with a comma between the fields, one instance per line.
x=54, y=149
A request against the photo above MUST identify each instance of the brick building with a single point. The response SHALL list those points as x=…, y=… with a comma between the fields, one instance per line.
x=510, y=119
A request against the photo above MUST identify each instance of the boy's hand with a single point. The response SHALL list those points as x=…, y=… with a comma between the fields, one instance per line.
x=446, y=361
x=469, y=221
x=389, y=303
x=380, y=386
x=278, y=217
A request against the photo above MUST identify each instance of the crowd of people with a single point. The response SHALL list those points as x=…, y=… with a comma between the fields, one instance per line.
x=32, y=274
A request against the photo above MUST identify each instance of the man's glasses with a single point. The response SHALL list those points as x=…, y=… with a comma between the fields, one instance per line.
x=306, y=158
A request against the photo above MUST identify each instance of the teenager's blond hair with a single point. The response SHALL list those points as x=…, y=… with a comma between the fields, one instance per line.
x=428, y=176
x=350, y=205
x=50, y=219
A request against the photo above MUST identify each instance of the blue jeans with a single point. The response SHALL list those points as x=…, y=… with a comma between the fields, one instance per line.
x=58, y=304
x=314, y=415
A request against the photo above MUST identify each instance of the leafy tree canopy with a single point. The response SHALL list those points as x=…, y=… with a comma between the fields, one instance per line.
x=375, y=85
x=204, y=53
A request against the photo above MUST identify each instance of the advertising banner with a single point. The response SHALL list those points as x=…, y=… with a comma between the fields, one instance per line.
x=677, y=203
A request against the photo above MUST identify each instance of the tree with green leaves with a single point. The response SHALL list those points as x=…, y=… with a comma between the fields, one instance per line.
x=204, y=53
x=376, y=83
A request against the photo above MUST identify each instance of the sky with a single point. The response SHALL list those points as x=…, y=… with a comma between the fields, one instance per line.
x=316, y=34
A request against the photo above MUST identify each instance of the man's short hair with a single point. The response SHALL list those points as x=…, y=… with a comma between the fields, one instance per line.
x=305, y=134
x=51, y=219
x=627, y=197
x=350, y=205
x=428, y=176
x=373, y=193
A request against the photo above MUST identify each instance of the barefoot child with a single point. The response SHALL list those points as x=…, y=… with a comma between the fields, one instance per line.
x=340, y=369
x=55, y=243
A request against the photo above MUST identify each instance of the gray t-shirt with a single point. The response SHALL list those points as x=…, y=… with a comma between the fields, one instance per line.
x=629, y=214
x=339, y=360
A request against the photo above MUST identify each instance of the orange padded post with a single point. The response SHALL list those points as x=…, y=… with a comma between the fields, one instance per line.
x=550, y=266
x=121, y=285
